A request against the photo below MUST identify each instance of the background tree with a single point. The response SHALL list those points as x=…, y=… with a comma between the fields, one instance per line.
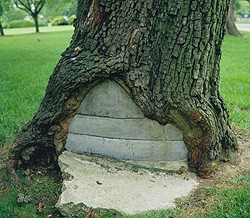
x=231, y=28
x=242, y=8
x=32, y=7
x=166, y=54
x=4, y=7
x=14, y=14
x=55, y=8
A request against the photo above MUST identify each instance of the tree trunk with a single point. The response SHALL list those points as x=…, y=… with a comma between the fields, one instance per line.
x=165, y=53
x=35, y=17
x=231, y=28
x=1, y=29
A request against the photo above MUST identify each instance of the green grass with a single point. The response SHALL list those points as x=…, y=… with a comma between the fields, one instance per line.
x=155, y=214
x=242, y=22
x=26, y=65
x=16, y=31
x=43, y=190
x=230, y=203
x=10, y=208
x=235, y=78
x=229, y=199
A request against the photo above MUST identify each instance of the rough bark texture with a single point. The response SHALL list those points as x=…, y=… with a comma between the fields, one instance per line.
x=231, y=28
x=166, y=54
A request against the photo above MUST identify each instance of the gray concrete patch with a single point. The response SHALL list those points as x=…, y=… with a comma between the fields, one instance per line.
x=127, y=149
x=109, y=123
x=112, y=185
x=108, y=99
x=138, y=129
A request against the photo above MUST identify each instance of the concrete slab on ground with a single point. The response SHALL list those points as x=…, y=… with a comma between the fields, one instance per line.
x=99, y=182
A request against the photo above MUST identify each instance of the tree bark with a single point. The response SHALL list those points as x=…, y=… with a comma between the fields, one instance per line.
x=231, y=28
x=166, y=54
x=1, y=29
x=35, y=17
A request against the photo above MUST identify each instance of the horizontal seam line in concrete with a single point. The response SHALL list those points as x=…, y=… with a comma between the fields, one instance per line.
x=114, y=118
x=101, y=137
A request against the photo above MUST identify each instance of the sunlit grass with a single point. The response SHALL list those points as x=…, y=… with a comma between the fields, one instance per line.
x=27, y=30
x=242, y=22
x=229, y=199
x=26, y=65
x=43, y=190
x=235, y=78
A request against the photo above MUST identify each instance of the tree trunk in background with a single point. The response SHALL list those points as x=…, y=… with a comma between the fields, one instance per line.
x=231, y=28
x=1, y=29
x=165, y=53
x=35, y=17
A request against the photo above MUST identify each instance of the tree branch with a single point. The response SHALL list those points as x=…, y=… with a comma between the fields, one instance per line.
x=26, y=7
x=40, y=6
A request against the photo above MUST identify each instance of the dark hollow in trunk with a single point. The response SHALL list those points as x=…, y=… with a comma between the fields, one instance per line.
x=166, y=54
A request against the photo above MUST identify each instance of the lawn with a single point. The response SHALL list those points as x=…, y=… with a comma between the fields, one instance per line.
x=26, y=65
x=235, y=79
x=28, y=30
x=242, y=22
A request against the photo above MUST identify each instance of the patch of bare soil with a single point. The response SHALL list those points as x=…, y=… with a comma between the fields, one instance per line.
x=200, y=201
x=227, y=169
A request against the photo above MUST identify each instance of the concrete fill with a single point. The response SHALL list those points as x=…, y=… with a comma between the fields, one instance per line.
x=108, y=99
x=108, y=122
x=127, y=149
x=138, y=129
